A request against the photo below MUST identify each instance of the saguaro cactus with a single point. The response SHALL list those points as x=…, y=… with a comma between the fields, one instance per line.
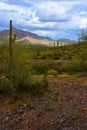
x=11, y=40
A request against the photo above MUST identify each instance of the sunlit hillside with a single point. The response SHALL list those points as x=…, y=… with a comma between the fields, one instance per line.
x=30, y=40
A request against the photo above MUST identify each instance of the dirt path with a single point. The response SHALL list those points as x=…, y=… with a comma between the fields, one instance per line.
x=64, y=107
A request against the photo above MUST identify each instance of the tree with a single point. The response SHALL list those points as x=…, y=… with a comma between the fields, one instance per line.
x=82, y=35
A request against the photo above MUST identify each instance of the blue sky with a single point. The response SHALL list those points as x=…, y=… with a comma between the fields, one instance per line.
x=53, y=18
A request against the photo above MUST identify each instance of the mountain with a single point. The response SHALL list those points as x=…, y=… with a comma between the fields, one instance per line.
x=63, y=42
x=66, y=40
x=21, y=34
x=26, y=37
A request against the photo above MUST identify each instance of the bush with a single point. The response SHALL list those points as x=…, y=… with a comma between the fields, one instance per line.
x=52, y=72
x=38, y=85
x=42, y=67
x=74, y=67
x=34, y=85
x=18, y=79
x=6, y=86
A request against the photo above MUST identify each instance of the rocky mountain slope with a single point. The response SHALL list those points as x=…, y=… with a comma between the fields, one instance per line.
x=26, y=37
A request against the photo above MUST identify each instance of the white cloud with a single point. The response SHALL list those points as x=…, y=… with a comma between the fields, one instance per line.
x=21, y=15
x=48, y=17
x=45, y=33
x=53, y=10
x=78, y=20
x=18, y=13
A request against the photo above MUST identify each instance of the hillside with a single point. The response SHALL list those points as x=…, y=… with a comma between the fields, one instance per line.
x=65, y=41
x=31, y=40
x=26, y=37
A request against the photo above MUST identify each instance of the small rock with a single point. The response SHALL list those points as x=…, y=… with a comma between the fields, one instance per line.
x=62, y=120
x=6, y=118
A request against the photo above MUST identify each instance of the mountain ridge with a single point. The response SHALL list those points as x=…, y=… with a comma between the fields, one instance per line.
x=22, y=33
x=26, y=37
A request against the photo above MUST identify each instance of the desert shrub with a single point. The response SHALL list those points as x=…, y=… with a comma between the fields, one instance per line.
x=52, y=72
x=3, y=57
x=47, y=55
x=74, y=67
x=84, y=65
x=32, y=85
x=18, y=74
x=15, y=76
x=18, y=79
x=71, y=67
x=37, y=85
x=42, y=67
x=6, y=86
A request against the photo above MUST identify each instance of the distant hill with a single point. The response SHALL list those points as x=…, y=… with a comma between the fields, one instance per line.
x=22, y=34
x=26, y=37
x=65, y=40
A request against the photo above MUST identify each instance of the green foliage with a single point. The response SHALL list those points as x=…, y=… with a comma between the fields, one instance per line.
x=14, y=38
x=42, y=67
x=52, y=72
x=6, y=86
x=38, y=85
x=16, y=77
x=73, y=67
x=19, y=76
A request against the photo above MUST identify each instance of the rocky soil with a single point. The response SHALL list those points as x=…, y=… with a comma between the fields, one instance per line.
x=63, y=107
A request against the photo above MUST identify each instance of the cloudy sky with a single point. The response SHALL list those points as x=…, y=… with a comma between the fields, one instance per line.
x=54, y=18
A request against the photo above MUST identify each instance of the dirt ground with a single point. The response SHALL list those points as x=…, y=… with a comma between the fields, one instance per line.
x=63, y=107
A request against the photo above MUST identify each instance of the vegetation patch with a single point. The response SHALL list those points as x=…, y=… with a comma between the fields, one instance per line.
x=17, y=74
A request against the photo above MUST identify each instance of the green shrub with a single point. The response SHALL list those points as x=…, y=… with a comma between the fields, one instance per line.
x=74, y=67
x=38, y=85
x=32, y=85
x=15, y=76
x=18, y=80
x=6, y=86
x=52, y=72
x=42, y=67
x=21, y=82
x=18, y=76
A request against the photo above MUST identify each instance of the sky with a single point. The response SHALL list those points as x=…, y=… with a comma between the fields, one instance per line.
x=50, y=18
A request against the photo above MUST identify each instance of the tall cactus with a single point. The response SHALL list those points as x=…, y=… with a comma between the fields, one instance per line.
x=11, y=40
